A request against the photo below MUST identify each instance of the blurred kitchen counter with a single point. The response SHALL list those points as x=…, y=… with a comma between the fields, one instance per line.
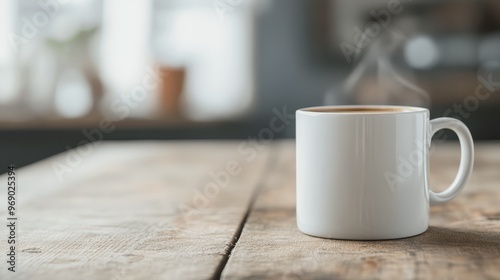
x=226, y=209
x=97, y=121
x=25, y=142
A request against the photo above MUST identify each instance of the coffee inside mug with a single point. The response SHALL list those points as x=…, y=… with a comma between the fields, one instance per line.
x=362, y=109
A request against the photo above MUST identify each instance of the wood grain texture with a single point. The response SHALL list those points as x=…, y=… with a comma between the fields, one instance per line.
x=120, y=213
x=463, y=241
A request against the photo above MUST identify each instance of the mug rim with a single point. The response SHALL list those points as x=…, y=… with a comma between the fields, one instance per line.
x=389, y=110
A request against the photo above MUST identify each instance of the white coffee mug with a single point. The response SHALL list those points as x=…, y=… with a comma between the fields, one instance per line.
x=362, y=171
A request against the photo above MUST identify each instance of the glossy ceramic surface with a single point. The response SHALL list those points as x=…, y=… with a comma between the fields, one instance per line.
x=364, y=175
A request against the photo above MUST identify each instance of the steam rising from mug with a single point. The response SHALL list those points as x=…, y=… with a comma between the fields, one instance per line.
x=376, y=80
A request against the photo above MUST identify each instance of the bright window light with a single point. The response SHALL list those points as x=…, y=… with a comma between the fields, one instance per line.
x=217, y=55
x=421, y=52
x=125, y=37
x=8, y=75
x=73, y=95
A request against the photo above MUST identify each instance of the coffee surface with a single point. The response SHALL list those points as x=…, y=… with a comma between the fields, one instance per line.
x=359, y=110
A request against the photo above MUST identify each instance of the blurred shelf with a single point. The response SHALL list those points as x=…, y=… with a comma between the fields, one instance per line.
x=96, y=122
x=22, y=143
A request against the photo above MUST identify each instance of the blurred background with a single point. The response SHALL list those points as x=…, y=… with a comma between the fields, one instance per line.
x=73, y=71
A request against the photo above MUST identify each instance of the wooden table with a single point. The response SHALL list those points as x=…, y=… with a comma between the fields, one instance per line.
x=151, y=210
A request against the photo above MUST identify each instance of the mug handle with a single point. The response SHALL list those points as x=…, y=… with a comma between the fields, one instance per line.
x=466, y=160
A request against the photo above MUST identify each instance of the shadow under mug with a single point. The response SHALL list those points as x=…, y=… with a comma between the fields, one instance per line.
x=362, y=171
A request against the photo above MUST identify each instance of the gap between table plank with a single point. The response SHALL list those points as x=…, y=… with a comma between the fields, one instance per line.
x=274, y=154
x=463, y=241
